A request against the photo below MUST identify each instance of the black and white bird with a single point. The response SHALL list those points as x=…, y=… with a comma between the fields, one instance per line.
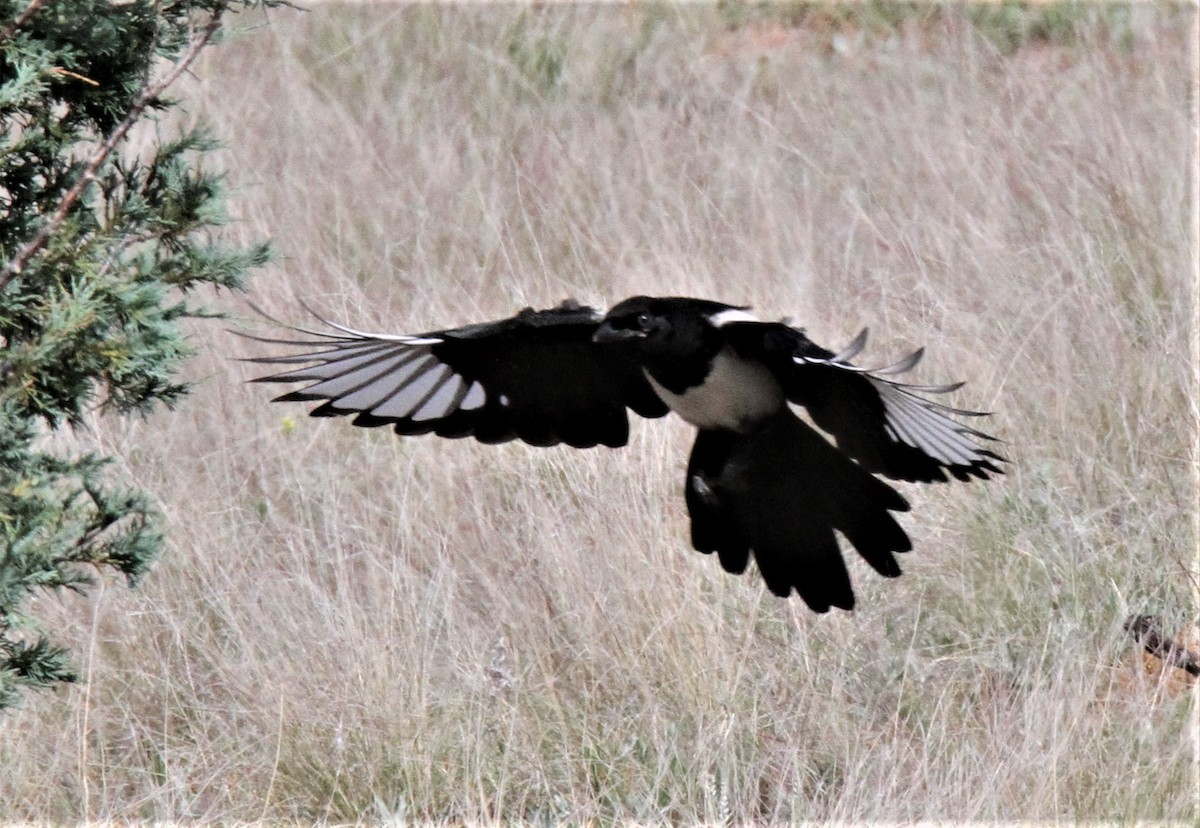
x=760, y=481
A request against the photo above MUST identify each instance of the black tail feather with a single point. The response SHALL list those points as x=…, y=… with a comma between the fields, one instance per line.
x=782, y=491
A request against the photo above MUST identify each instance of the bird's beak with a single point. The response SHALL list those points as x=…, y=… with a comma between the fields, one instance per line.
x=607, y=334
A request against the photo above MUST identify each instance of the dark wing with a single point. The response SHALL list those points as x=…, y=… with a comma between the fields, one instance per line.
x=887, y=426
x=536, y=377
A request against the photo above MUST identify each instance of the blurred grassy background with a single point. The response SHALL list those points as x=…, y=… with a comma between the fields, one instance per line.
x=349, y=626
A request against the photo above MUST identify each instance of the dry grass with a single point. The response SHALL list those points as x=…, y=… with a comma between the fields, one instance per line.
x=349, y=626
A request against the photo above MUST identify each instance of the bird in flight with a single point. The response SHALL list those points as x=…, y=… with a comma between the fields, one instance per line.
x=760, y=481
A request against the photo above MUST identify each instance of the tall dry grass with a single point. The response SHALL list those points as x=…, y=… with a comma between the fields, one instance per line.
x=349, y=626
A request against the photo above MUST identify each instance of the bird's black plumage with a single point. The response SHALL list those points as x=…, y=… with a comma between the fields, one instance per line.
x=536, y=377
x=760, y=481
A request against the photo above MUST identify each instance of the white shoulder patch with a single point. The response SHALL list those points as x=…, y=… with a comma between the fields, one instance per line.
x=732, y=315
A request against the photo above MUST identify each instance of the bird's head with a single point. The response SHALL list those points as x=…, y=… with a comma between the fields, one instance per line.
x=640, y=320
x=663, y=325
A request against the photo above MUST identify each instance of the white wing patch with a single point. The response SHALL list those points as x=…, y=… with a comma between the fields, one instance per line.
x=441, y=401
x=920, y=424
x=732, y=315
x=475, y=398
x=410, y=395
x=387, y=382
x=389, y=376
x=351, y=387
x=912, y=419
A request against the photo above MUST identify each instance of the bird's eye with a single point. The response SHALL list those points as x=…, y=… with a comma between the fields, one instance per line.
x=645, y=320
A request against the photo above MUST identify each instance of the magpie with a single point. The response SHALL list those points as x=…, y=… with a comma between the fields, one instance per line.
x=760, y=481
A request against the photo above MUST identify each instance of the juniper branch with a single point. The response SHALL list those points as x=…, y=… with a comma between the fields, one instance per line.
x=21, y=19
x=92, y=169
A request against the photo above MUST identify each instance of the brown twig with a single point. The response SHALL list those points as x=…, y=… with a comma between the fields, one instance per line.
x=1146, y=630
x=147, y=95
x=58, y=70
x=21, y=19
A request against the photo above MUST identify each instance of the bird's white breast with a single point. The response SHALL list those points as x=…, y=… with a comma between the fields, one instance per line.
x=736, y=394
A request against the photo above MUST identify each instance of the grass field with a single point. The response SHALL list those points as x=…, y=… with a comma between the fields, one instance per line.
x=348, y=626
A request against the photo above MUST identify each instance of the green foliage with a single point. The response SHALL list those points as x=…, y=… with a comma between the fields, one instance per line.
x=1008, y=25
x=100, y=242
x=539, y=59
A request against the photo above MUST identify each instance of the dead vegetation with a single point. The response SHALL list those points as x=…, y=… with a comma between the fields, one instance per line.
x=350, y=626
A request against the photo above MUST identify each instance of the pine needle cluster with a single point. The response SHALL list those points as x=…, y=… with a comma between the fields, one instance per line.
x=101, y=242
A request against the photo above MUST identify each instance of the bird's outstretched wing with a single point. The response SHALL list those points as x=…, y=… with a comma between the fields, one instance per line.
x=887, y=426
x=536, y=377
